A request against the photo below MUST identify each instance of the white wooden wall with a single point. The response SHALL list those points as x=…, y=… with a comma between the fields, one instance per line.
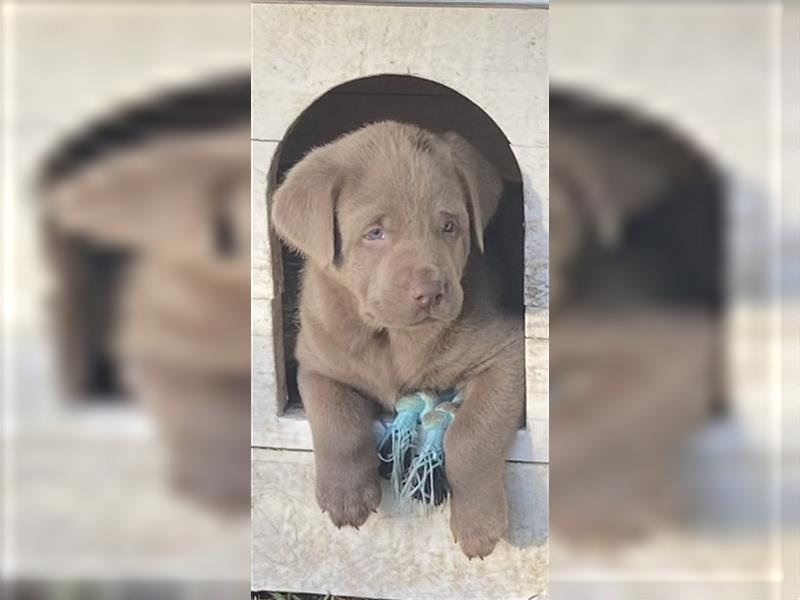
x=496, y=57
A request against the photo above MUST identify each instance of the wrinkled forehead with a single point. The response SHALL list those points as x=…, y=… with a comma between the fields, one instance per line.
x=404, y=191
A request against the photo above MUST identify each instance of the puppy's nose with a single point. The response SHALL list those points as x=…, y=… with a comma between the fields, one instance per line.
x=427, y=293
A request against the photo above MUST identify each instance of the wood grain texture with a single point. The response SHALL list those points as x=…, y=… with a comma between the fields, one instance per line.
x=267, y=396
x=398, y=553
x=261, y=280
x=496, y=58
x=534, y=168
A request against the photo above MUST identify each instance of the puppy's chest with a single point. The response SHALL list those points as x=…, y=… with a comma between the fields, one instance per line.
x=401, y=367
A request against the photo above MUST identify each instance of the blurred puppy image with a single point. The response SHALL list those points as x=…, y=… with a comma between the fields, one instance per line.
x=399, y=295
x=148, y=233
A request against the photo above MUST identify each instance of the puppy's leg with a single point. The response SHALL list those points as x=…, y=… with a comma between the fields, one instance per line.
x=348, y=487
x=475, y=449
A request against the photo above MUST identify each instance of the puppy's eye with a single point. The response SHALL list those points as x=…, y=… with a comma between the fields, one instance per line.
x=449, y=227
x=376, y=233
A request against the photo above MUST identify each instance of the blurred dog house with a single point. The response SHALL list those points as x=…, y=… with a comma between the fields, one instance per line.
x=667, y=410
x=146, y=216
x=480, y=71
x=138, y=115
x=637, y=263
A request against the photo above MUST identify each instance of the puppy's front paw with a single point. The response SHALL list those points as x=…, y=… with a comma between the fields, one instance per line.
x=348, y=493
x=479, y=521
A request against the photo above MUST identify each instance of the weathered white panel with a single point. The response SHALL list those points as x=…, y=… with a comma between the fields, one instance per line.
x=537, y=323
x=261, y=256
x=537, y=391
x=398, y=553
x=265, y=369
x=500, y=3
x=494, y=57
x=534, y=168
x=263, y=391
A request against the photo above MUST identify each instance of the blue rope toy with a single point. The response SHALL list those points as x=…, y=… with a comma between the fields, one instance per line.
x=417, y=472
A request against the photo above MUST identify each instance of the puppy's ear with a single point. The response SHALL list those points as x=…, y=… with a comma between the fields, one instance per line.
x=303, y=206
x=164, y=196
x=482, y=184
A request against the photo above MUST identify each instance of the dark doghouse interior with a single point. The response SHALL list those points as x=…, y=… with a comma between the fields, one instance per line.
x=669, y=250
x=429, y=105
x=88, y=277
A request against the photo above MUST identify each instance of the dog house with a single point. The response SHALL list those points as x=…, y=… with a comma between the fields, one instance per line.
x=132, y=232
x=320, y=70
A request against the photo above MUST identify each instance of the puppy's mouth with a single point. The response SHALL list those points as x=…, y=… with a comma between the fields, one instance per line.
x=424, y=320
x=385, y=319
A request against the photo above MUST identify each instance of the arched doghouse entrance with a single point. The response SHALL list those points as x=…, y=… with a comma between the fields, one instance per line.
x=517, y=235
x=407, y=99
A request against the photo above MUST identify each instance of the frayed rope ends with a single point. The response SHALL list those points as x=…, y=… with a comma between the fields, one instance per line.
x=418, y=473
x=398, y=445
x=425, y=480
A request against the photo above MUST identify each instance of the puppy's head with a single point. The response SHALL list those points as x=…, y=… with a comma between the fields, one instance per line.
x=392, y=211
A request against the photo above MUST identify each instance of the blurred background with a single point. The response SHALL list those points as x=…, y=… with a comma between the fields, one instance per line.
x=674, y=287
x=126, y=300
x=675, y=468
